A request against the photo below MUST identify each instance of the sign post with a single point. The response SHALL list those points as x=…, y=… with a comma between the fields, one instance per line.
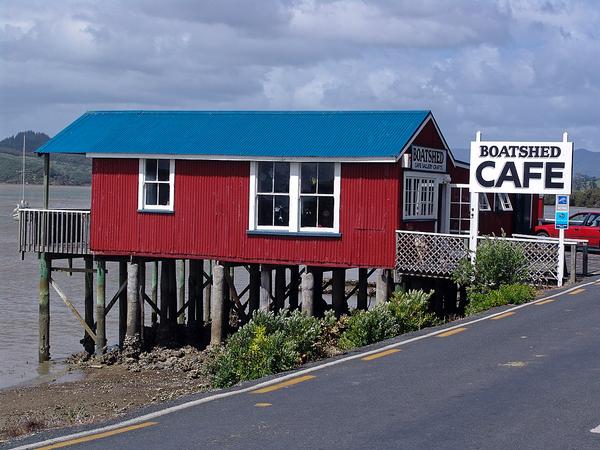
x=561, y=223
x=522, y=168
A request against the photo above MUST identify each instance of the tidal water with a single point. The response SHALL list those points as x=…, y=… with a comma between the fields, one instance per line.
x=19, y=294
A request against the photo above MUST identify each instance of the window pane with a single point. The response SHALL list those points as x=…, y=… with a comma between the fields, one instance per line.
x=265, y=177
x=281, y=216
x=326, y=212
x=163, y=169
x=308, y=211
x=163, y=194
x=151, y=170
x=265, y=209
x=151, y=194
x=308, y=178
x=326, y=178
x=282, y=177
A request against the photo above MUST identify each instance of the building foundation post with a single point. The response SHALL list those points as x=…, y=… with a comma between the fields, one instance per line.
x=265, y=288
x=44, y=307
x=88, y=303
x=308, y=284
x=338, y=294
x=100, y=306
x=218, y=305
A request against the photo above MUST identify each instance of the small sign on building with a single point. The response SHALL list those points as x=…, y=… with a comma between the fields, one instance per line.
x=428, y=159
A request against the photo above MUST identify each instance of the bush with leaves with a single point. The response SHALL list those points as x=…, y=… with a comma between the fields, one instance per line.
x=497, y=262
x=506, y=294
x=411, y=310
x=268, y=344
x=368, y=327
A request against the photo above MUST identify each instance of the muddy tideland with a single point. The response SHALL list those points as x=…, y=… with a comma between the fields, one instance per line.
x=103, y=388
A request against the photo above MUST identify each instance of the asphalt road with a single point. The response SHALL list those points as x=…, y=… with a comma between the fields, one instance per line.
x=529, y=379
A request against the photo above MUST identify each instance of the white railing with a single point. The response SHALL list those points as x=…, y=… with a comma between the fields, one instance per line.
x=438, y=254
x=62, y=231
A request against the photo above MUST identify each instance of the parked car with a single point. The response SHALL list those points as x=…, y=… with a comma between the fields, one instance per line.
x=582, y=225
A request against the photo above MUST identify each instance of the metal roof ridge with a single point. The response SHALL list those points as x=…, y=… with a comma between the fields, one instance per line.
x=266, y=112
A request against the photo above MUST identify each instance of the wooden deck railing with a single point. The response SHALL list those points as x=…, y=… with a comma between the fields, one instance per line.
x=63, y=231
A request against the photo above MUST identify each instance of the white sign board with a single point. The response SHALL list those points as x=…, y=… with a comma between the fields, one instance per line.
x=429, y=159
x=521, y=167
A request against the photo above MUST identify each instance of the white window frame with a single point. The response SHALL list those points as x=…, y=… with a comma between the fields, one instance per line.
x=410, y=177
x=141, y=191
x=294, y=194
x=484, y=203
x=502, y=202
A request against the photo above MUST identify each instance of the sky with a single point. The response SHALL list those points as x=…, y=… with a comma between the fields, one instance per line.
x=514, y=69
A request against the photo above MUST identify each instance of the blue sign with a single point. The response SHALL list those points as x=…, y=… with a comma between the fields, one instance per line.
x=562, y=200
x=561, y=220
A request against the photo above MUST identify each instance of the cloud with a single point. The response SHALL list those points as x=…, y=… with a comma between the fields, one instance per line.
x=513, y=68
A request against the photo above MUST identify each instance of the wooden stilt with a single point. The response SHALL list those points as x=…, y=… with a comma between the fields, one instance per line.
x=141, y=295
x=172, y=297
x=122, y=302
x=100, y=305
x=192, y=293
x=254, y=292
x=217, y=302
x=338, y=296
x=308, y=283
x=361, y=294
x=265, y=288
x=318, y=302
x=88, y=301
x=154, y=291
x=279, y=303
x=164, y=292
x=180, y=290
x=207, y=292
x=44, y=307
x=382, y=286
x=294, y=285
x=133, y=302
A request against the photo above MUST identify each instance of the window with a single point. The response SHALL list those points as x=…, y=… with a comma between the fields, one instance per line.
x=484, y=203
x=294, y=197
x=156, y=185
x=503, y=202
x=420, y=196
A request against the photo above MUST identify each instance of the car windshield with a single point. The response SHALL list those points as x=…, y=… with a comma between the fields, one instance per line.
x=594, y=220
x=577, y=219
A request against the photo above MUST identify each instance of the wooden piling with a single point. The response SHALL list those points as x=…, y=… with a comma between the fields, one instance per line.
x=44, y=307
x=362, y=292
x=195, y=294
x=100, y=306
x=217, y=329
x=164, y=293
x=154, y=291
x=382, y=286
x=141, y=294
x=207, y=292
x=88, y=303
x=172, y=296
x=254, y=292
x=133, y=329
x=573, y=265
x=265, y=288
x=308, y=284
x=338, y=293
x=294, y=286
x=318, y=302
x=122, y=302
x=279, y=303
x=180, y=264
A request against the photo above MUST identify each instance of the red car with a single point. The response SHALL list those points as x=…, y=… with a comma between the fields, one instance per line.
x=582, y=225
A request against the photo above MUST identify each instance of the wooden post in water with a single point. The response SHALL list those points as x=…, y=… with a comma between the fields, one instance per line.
x=133, y=302
x=154, y=291
x=122, y=302
x=180, y=290
x=44, y=307
x=218, y=305
x=254, y=292
x=361, y=293
x=294, y=286
x=265, y=288
x=88, y=303
x=279, y=303
x=338, y=294
x=100, y=306
x=308, y=284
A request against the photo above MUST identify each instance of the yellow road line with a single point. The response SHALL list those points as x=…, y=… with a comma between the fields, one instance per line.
x=381, y=354
x=544, y=302
x=451, y=332
x=263, y=405
x=502, y=316
x=93, y=437
x=577, y=291
x=284, y=384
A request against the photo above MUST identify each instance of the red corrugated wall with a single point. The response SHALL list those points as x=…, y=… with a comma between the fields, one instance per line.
x=211, y=217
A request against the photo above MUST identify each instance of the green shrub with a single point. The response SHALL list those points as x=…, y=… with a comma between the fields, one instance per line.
x=411, y=310
x=497, y=262
x=268, y=344
x=368, y=327
x=515, y=294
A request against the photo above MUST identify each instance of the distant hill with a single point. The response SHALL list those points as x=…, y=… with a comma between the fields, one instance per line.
x=585, y=162
x=64, y=169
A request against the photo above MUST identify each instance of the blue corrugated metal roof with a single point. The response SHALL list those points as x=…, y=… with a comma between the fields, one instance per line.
x=325, y=134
